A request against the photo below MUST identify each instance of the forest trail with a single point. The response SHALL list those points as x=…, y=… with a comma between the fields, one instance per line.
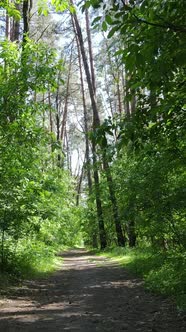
x=87, y=294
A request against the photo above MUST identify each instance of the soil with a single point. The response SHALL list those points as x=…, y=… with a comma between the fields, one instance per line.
x=87, y=294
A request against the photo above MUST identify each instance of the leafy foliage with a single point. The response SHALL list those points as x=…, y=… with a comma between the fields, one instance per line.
x=148, y=155
x=11, y=9
x=36, y=200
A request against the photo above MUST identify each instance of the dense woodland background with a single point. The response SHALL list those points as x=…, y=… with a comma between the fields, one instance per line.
x=92, y=103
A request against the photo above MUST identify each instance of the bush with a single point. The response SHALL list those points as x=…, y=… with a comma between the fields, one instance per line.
x=163, y=272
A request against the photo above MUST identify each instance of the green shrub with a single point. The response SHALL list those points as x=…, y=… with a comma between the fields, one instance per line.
x=163, y=272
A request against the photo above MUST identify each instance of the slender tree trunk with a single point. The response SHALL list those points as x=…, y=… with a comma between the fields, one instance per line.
x=25, y=19
x=2, y=250
x=87, y=149
x=43, y=100
x=116, y=78
x=102, y=233
x=79, y=185
x=120, y=237
x=50, y=111
x=90, y=51
x=7, y=27
x=127, y=105
x=109, y=96
x=59, y=134
x=106, y=167
x=131, y=234
x=119, y=95
x=133, y=103
x=96, y=123
x=27, y=6
x=67, y=95
x=15, y=33
x=3, y=242
x=69, y=160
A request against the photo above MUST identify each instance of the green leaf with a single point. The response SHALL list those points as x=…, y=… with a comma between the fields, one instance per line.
x=135, y=85
x=104, y=26
x=97, y=19
x=86, y=5
x=108, y=19
x=112, y=32
x=119, y=52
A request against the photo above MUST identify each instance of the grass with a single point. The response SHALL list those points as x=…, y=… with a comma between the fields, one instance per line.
x=33, y=260
x=163, y=272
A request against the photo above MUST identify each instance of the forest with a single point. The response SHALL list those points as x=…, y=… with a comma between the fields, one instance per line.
x=92, y=135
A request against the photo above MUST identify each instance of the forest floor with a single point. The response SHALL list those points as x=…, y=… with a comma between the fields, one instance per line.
x=88, y=294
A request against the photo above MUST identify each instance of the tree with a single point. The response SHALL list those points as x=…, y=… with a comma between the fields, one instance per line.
x=95, y=125
x=151, y=48
x=33, y=190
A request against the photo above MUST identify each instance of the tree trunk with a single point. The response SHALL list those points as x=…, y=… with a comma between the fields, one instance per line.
x=90, y=51
x=7, y=27
x=106, y=167
x=127, y=105
x=119, y=95
x=26, y=11
x=133, y=104
x=79, y=185
x=66, y=96
x=120, y=237
x=50, y=111
x=131, y=234
x=116, y=78
x=15, y=31
x=69, y=160
x=96, y=123
x=27, y=6
x=87, y=149
x=102, y=233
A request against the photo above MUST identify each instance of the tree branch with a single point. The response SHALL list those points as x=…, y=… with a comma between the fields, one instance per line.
x=159, y=25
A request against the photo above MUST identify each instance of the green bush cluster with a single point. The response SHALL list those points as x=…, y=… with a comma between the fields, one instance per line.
x=37, y=209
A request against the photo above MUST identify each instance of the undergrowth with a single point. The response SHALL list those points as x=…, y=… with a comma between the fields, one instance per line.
x=29, y=260
x=163, y=272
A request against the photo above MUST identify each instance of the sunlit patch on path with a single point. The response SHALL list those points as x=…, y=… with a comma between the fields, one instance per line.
x=87, y=294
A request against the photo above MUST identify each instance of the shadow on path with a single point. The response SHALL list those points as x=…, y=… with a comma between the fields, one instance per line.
x=88, y=294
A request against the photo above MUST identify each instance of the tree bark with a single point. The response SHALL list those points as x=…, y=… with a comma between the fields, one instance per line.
x=27, y=6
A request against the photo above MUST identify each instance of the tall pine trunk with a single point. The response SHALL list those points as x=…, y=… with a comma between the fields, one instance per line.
x=96, y=123
x=64, y=120
x=106, y=167
x=87, y=148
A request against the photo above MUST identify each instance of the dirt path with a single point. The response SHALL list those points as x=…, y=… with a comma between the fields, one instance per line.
x=88, y=294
